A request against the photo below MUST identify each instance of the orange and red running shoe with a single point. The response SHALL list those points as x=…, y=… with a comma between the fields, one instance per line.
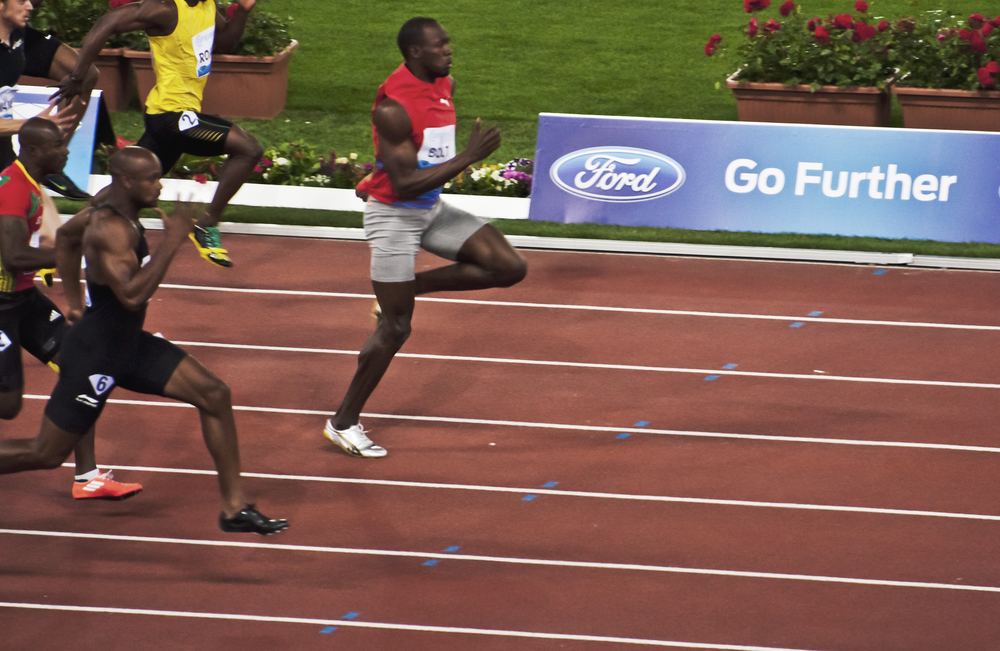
x=103, y=487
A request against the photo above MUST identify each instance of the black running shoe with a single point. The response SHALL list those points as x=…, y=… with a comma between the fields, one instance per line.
x=250, y=520
x=62, y=184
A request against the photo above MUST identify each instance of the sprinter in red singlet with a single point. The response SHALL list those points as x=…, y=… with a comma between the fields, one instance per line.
x=413, y=125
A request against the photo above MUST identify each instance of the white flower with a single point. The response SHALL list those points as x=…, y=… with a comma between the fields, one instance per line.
x=496, y=176
x=354, y=156
x=281, y=161
x=477, y=175
x=341, y=161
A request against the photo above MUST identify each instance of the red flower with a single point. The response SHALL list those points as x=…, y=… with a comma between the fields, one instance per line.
x=787, y=8
x=965, y=34
x=231, y=11
x=710, y=47
x=861, y=6
x=977, y=42
x=843, y=21
x=995, y=22
x=752, y=29
x=201, y=178
x=267, y=162
x=985, y=78
x=987, y=29
x=976, y=21
x=884, y=25
x=755, y=5
x=121, y=143
x=993, y=67
x=907, y=25
x=772, y=26
x=118, y=3
x=822, y=35
x=863, y=32
x=258, y=169
x=813, y=22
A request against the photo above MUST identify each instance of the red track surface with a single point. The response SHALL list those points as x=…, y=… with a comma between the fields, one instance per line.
x=768, y=569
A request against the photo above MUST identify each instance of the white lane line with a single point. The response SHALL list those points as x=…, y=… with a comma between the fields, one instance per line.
x=566, y=493
x=597, y=308
x=611, y=367
x=632, y=567
x=575, y=428
x=386, y=626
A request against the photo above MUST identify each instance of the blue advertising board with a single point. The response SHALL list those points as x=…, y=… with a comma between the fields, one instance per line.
x=30, y=101
x=740, y=176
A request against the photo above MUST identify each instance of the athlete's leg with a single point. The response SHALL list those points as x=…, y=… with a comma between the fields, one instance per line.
x=396, y=300
x=196, y=385
x=10, y=405
x=244, y=153
x=485, y=260
x=46, y=451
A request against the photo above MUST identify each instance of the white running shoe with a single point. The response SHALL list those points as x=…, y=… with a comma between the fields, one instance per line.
x=353, y=440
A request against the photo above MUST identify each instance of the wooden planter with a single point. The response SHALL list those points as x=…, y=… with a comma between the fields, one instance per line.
x=865, y=106
x=938, y=108
x=238, y=86
x=115, y=80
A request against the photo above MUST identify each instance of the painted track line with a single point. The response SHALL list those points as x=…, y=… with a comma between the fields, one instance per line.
x=595, y=308
x=633, y=567
x=592, y=365
x=569, y=427
x=567, y=493
x=386, y=626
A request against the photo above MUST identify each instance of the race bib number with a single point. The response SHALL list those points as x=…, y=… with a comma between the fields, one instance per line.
x=5, y=341
x=101, y=383
x=438, y=146
x=202, y=44
x=7, y=102
x=188, y=120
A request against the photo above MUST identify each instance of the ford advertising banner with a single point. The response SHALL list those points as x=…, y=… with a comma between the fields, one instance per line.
x=740, y=176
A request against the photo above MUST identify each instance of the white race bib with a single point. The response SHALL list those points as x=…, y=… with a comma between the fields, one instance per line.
x=188, y=120
x=202, y=44
x=438, y=146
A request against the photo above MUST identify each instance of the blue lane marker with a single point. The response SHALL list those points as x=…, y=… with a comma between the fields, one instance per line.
x=550, y=484
x=431, y=562
x=730, y=367
x=709, y=378
x=879, y=272
x=641, y=423
x=797, y=324
x=623, y=435
x=453, y=548
x=528, y=498
x=816, y=313
x=328, y=630
x=350, y=616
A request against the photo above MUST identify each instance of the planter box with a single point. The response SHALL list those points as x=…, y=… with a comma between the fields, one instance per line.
x=238, y=86
x=938, y=108
x=854, y=107
x=115, y=81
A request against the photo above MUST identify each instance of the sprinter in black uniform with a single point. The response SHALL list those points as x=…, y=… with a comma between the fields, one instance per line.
x=108, y=346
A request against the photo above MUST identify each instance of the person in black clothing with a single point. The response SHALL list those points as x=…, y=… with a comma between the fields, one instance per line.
x=107, y=346
x=26, y=51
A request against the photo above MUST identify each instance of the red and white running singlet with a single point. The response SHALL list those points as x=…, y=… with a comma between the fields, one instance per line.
x=433, y=118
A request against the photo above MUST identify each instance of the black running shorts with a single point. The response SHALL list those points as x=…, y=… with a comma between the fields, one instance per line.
x=168, y=135
x=30, y=320
x=87, y=377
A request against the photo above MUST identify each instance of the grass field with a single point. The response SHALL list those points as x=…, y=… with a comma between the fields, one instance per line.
x=518, y=58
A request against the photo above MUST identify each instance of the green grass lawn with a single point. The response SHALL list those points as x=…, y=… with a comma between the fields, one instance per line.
x=515, y=59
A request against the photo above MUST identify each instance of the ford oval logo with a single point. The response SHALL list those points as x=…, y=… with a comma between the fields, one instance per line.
x=621, y=174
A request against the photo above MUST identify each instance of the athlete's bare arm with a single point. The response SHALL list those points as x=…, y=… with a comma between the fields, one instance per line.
x=398, y=154
x=155, y=17
x=109, y=246
x=69, y=252
x=229, y=32
x=15, y=252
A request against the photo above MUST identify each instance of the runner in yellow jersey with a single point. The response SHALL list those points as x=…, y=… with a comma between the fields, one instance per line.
x=183, y=34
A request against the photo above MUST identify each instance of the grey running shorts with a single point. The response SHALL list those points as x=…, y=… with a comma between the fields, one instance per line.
x=395, y=234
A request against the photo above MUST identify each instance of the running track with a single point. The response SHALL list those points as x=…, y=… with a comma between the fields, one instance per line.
x=833, y=485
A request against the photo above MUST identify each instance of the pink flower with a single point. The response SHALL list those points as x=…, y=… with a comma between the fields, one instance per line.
x=755, y=5
x=771, y=26
x=822, y=35
x=267, y=162
x=231, y=11
x=861, y=6
x=752, y=29
x=258, y=169
x=787, y=8
x=976, y=21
